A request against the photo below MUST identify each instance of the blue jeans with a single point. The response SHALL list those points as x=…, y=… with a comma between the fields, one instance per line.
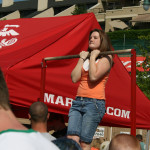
x=84, y=117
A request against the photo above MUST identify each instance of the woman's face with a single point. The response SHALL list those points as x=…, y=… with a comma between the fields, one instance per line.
x=94, y=42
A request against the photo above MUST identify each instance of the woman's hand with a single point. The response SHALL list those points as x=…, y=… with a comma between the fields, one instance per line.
x=95, y=53
x=84, y=54
x=76, y=73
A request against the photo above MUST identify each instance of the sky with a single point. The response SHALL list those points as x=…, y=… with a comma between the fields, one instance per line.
x=14, y=0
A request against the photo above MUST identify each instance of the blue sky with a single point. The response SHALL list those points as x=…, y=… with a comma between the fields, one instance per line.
x=14, y=0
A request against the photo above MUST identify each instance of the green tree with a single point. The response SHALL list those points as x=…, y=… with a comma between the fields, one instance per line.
x=4, y=19
x=79, y=9
x=143, y=77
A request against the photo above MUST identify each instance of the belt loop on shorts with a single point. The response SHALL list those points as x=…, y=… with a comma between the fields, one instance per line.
x=81, y=98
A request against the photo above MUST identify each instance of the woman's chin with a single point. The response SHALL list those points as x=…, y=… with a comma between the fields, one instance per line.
x=93, y=48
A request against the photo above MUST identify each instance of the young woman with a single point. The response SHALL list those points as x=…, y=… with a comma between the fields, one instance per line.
x=92, y=71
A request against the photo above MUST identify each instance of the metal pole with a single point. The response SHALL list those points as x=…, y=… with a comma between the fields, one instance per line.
x=133, y=92
x=124, y=41
x=43, y=77
x=77, y=56
x=147, y=140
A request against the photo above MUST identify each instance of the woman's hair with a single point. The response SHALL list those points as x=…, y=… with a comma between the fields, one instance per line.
x=105, y=44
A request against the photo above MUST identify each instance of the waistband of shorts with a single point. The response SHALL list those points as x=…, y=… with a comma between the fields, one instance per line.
x=88, y=99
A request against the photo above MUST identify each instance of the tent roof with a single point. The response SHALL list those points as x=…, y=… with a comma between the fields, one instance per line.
x=25, y=42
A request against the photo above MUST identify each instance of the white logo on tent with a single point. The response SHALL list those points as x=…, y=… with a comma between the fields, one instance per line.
x=66, y=101
x=7, y=31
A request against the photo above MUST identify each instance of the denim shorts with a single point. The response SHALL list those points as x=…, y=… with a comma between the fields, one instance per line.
x=84, y=117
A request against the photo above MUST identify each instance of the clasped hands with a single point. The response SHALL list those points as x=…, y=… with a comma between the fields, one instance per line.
x=93, y=54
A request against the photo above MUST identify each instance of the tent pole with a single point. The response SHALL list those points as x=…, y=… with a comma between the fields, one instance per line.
x=43, y=77
x=133, y=92
x=147, y=140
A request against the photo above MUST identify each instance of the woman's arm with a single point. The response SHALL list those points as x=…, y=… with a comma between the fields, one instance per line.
x=97, y=71
x=76, y=73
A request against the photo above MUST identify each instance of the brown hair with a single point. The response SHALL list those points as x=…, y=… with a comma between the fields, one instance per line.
x=4, y=95
x=105, y=44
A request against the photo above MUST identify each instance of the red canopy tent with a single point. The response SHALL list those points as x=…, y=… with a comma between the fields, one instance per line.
x=25, y=42
x=127, y=62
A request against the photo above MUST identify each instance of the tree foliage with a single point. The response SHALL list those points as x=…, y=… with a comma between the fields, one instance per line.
x=143, y=77
x=130, y=34
x=4, y=19
x=79, y=9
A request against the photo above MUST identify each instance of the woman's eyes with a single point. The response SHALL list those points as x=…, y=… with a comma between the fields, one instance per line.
x=95, y=37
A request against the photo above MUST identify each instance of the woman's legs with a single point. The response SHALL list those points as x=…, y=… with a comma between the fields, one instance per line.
x=75, y=121
x=94, y=112
x=84, y=117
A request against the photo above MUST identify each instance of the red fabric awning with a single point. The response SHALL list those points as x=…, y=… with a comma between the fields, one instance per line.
x=25, y=42
x=127, y=62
